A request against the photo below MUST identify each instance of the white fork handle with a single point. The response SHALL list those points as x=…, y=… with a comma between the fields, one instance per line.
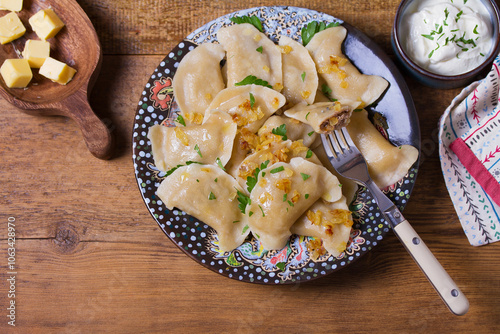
x=439, y=278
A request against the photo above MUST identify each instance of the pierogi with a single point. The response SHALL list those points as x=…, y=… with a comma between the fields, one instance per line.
x=244, y=161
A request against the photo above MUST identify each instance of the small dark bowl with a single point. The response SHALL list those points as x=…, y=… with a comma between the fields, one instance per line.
x=443, y=81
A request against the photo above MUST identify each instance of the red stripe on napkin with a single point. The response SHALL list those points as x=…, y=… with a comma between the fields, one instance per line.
x=476, y=169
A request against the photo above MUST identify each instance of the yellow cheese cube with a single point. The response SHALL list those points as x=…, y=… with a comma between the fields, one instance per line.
x=16, y=73
x=35, y=52
x=13, y=5
x=45, y=23
x=57, y=71
x=11, y=28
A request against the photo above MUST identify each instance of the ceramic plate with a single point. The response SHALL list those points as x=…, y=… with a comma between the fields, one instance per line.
x=394, y=116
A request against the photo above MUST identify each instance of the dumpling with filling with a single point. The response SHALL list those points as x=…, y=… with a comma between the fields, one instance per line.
x=341, y=76
x=295, y=130
x=250, y=52
x=323, y=117
x=300, y=79
x=198, y=78
x=249, y=106
x=209, y=194
x=284, y=191
x=273, y=152
x=330, y=222
x=387, y=164
x=210, y=142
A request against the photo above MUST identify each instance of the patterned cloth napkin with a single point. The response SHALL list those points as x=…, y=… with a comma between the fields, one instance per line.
x=469, y=150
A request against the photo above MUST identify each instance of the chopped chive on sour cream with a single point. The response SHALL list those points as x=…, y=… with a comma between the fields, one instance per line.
x=447, y=37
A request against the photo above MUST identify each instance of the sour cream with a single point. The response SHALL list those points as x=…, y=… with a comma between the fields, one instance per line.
x=448, y=37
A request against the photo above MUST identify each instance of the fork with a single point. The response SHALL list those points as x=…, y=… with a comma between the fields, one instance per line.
x=348, y=162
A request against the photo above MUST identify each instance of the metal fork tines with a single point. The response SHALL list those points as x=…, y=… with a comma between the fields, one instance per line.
x=348, y=162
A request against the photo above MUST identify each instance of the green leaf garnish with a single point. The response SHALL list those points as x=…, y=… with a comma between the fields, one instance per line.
x=303, y=76
x=307, y=115
x=305, y=176
x=309, y=153
x=252, y=100
x=219, y=163
x=310, y=133
x=428, y=37
x=173, y=169
x=245, y=229
x=211, y=196
x=180, y=120
x=253, y=20
x=277, y=170
x=263, y=214
x=252, y=180
x=243, y=201
x=312, y=28
x=259, y=49
x=285, y=197
x=280, y=131
x=253, y=80
x=197, y=149
x=306, y=196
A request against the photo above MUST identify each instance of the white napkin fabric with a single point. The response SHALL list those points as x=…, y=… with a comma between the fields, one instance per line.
x=471, y=126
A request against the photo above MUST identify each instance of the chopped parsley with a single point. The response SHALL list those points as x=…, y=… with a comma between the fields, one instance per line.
x=252, y=180
x=259, y=49
x=253, y=20
x=305, y=176
x=253, y=80
x=314, y=27
x=180, y=120
x=280, y=131
x=243, y=201
x=285, y=197
x=309, y=154
x=310, y=133
x=307, y=115
x=277, y=170
x=303, y=76
x=173, y=169
x=211, y=196
x=252, y=100
x=306, y=196
x=262, y=210
x=197, y=149
x=219, y=163
x=245, y=229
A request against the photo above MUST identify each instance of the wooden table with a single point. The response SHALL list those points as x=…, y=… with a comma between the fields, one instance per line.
x=90, y=258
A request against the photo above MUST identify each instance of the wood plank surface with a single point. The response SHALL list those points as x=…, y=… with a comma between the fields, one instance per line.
x=90, y=258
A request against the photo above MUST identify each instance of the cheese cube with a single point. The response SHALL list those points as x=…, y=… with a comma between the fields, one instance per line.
x=12, y=5
x=45, y=23
x=57, y=71
x=11, y=28
x=35, y=52
x=16, y=73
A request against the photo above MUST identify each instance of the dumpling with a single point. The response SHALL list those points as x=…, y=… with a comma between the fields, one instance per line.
x=342, y=77
x=250, y=52
x=323, y=117
x=209, y=194
x=237, y=101
x=300, y=80
x=198, y=78
x=387, y=163
x=204, y=143
x=281, y=151
x=283, y=193
x=295, y=130
x=331, y=222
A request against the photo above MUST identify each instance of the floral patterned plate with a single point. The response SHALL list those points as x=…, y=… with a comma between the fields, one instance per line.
x=394, y=116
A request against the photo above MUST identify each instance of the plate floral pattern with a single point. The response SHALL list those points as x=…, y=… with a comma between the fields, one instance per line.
x=250, y=262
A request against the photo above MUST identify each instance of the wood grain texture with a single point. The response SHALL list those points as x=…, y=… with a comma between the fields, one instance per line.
x=91, y=259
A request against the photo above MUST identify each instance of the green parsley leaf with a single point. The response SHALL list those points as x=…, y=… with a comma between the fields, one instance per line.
x=309, y=153
x=303, y=76
x=236, y=221
x=258, y=236
x=245, y=229
x=253, y=80
x=280, y=131
x=277, y=170
x=306, y=196
x=305, y=176
x=307, y=115
x=197, y=149
x=290, y=203
x=219, y=163
x=216, y=179
x=252, y=100
x=250, y=214
x=263, y=214
x=173, y=169
x=310, y=133
x=284, y=197
x=312, y=28
x=253, y=20
x=259, y=49
x=211, y=196
x=243, y=201
x=180, y=120
x=252, y=180
x=428, y=37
